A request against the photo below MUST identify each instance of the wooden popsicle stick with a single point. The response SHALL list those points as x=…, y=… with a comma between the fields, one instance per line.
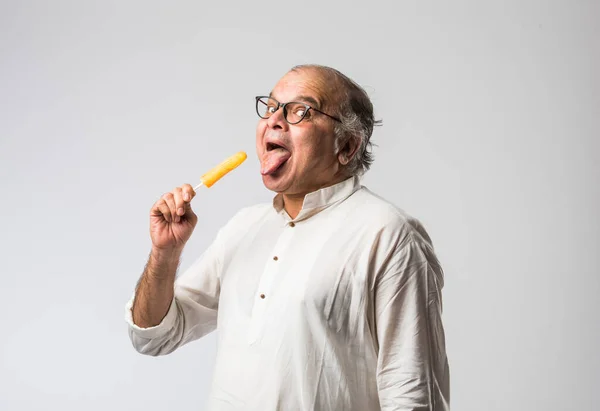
x=198, y=186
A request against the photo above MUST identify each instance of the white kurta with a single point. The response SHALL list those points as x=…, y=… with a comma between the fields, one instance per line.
x=339, y=309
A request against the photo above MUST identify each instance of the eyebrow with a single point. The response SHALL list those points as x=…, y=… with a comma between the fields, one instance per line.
x=311, y=100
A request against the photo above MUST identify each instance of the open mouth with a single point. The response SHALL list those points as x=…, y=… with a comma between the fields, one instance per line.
x=274, y=158
x=274, y=146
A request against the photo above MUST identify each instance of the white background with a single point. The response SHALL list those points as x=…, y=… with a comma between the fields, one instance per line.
x=491, y=138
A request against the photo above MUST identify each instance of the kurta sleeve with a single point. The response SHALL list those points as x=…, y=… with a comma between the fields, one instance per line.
x=193, y=310
x=412, y=367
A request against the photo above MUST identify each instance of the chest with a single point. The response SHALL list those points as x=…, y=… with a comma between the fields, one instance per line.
x=310, y=278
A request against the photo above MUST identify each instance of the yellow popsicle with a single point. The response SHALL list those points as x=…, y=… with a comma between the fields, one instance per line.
x=225, y=167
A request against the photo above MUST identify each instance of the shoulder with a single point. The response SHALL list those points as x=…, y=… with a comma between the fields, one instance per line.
x=402, y=236
x=252, y=212
x=246, y=217
x=378, y=213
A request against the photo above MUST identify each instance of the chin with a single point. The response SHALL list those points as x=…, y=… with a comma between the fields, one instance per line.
x=275, y=183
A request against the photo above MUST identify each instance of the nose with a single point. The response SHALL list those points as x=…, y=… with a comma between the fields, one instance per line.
x=277, y=120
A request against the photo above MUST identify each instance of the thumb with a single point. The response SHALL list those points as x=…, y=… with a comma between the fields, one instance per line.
x=188, y=213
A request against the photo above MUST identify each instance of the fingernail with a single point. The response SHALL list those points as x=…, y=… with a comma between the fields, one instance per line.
x=180, y=211
x=186, y=196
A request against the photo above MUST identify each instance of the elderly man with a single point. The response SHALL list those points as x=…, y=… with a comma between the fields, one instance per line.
x=327, y=299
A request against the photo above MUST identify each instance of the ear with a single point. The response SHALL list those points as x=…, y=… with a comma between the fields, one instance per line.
x=348, y=151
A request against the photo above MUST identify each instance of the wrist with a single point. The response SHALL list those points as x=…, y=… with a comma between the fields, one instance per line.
x=166, y=255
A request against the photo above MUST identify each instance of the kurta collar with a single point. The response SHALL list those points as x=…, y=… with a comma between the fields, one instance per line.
x=319, y=200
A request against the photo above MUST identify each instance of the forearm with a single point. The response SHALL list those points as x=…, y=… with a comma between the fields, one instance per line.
x=154, y=291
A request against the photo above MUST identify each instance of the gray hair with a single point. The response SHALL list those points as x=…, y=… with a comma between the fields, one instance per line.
x=355, y=111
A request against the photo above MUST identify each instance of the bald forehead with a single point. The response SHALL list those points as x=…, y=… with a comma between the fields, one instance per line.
x=311, y=82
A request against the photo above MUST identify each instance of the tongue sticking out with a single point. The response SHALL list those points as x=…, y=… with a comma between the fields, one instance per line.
x=273, y=159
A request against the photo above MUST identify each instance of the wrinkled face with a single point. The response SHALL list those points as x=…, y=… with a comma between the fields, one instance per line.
x=298, y=158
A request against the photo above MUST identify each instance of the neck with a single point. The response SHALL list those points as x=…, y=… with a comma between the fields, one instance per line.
x=292, y=203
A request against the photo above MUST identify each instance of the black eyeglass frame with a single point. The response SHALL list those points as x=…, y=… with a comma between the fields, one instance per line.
x=285, y=112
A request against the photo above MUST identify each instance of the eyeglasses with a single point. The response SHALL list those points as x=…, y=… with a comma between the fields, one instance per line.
x=293, y=112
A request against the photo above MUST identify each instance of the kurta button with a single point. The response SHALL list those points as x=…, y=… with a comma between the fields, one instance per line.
x=262, y=296
x=275, y=258
x=292, y=224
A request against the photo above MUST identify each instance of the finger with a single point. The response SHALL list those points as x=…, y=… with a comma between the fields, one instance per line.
x=189, y=214
x=187, y=192
x=169, y=199
x=164, y=209
x=187, y=208
x=179, y=203
x=161, y=209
